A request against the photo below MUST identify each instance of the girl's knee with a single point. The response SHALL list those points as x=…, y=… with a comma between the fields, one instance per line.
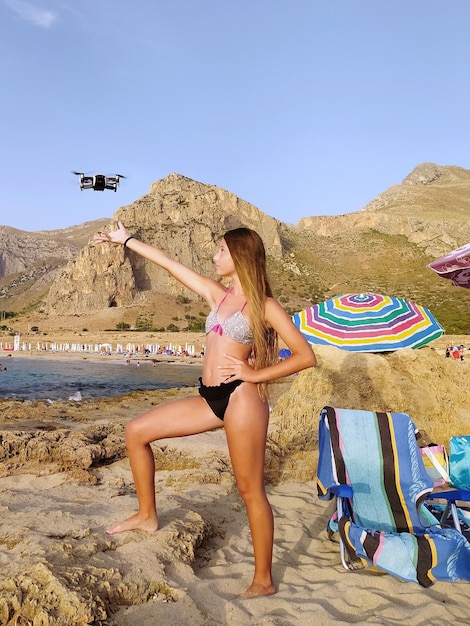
x=249, y=491
x=134, y=432
x=143, y=430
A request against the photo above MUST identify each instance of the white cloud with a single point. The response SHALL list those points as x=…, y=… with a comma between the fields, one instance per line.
x=30, y=13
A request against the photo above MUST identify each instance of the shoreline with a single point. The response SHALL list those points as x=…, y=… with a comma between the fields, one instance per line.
x=137, y=342
x=104, y=344
x=177, y=341
x=112, y=358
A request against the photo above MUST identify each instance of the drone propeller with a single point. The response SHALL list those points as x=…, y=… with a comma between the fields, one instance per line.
x=120, y=176
x=77, y=173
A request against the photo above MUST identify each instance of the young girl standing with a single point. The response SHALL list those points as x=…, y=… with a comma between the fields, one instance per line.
x=240, y=358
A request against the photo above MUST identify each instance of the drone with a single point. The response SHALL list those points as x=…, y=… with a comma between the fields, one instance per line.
x=99, y=182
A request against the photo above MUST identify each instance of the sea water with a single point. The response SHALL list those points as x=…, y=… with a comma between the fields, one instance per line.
x=62, y=379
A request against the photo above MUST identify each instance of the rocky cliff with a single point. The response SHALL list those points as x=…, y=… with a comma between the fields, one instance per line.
x=20, y=250
x=180, y=215
x=30, y=261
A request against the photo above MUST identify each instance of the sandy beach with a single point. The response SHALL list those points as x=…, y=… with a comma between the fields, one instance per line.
x=64, y=479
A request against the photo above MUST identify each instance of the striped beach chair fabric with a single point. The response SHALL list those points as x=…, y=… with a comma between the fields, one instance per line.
x=371, y=464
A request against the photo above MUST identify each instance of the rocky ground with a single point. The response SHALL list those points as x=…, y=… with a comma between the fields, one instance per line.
x=64, y=479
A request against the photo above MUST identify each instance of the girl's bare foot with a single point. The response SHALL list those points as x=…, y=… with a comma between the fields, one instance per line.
x=149, y=525
x=257, y=590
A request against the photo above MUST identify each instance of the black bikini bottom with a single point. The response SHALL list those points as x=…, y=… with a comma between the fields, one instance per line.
x=218, y=397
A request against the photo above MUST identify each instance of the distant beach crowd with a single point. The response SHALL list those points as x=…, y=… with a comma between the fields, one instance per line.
x=455, y=352
x=102, y=349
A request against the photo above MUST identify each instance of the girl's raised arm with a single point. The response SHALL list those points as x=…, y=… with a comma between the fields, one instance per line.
x=188, y=277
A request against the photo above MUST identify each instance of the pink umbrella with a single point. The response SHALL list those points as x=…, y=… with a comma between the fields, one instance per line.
x=455, y=266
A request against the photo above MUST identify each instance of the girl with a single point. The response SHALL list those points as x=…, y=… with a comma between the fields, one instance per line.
x=240, y=358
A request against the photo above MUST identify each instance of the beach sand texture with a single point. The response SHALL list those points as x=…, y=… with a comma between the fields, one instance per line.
x=64, y=479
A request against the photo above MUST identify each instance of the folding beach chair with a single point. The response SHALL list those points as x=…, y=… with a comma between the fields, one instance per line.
x=455, y=480
x=371, y=464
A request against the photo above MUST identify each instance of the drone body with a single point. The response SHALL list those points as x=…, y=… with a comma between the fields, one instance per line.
x=99, y=182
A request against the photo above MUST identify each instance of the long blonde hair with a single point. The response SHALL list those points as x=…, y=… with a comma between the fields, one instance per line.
x=249, y=257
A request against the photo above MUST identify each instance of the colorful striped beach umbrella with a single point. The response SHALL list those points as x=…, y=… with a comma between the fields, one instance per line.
x=368, y=322
x=455, y=266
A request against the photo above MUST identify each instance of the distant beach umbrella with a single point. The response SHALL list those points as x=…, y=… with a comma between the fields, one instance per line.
x=368, y=322
x=454, y=266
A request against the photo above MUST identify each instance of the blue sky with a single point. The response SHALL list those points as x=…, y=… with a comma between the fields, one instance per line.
x=300, y=107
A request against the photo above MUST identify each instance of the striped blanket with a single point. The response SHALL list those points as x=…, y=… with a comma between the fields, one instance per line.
x=389, y=526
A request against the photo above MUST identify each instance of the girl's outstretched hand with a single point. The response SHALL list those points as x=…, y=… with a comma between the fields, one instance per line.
x=118, y=236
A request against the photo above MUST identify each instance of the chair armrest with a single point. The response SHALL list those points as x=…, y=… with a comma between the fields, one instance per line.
x=451, y=496
x=344, y=491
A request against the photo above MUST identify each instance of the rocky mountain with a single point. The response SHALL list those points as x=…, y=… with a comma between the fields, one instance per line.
x=180, y=215
x=431, y=208
x=385, y=248
x=30, y=261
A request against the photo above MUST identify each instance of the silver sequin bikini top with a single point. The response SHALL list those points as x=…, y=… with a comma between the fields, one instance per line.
x=235, y=327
